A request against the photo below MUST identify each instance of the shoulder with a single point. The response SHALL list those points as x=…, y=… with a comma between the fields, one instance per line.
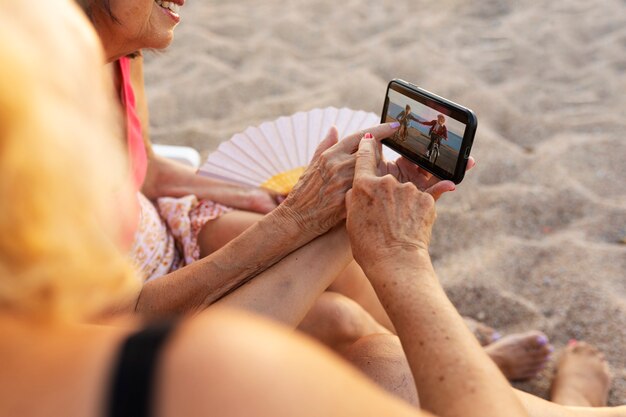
x=216, y=358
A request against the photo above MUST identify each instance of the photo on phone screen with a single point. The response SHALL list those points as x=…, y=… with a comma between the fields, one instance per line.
x=433, y=132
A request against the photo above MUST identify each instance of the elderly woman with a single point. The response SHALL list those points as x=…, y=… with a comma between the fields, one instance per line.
x=199, y=221
x=60, y=263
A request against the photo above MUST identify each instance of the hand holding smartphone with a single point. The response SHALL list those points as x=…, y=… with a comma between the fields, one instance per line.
x=434, y=133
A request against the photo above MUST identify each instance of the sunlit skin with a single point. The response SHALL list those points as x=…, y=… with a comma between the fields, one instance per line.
x=138, y=24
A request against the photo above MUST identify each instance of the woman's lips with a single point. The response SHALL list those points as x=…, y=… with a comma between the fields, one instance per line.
x=171, y=8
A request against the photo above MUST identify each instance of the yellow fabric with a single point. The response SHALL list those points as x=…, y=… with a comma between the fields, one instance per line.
x=284, y=182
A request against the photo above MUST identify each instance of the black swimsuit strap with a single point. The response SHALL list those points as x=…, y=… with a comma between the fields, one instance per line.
x=133, y=380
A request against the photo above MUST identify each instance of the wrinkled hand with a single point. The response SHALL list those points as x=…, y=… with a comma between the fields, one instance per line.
x=387, y=215
x=406, y=171
x=317, y=202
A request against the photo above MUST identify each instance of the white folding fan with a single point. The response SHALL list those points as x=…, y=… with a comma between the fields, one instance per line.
x=275, y=154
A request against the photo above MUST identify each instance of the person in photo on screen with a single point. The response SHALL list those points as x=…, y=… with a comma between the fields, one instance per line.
x=438, y=131
x=404, y=118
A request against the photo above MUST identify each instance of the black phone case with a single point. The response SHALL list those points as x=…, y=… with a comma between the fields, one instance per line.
x=468, y=117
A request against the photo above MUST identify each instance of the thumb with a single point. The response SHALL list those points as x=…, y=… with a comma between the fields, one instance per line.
x=440, y=189
x=332, y=137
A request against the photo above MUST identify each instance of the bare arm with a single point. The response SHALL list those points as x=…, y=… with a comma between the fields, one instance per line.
x=389, y=225
x=288, y=290
x=460, y=378
x=167, y=178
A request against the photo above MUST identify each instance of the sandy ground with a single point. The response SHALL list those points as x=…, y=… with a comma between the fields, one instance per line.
x=534, y=237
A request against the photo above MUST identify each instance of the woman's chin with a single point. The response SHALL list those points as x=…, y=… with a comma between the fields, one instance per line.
x=160, y=41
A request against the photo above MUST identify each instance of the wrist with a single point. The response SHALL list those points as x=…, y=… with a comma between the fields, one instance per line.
x=295, y=220
x=291, y=224
x=400, y=262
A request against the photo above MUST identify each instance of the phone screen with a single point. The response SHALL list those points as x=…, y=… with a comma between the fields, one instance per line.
x=428, y=133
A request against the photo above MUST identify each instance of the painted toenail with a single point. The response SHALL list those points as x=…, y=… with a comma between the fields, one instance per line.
x=542, y=340
x=496, y=336
x=572, y=342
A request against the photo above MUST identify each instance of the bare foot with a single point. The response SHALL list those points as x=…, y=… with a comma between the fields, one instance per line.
x=520, y=356
x=486, y=335
x=582, y=377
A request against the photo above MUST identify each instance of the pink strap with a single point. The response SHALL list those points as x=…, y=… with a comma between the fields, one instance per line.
x=136, y=147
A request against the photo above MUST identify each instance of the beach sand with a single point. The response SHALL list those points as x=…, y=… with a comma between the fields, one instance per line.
x=534, y=238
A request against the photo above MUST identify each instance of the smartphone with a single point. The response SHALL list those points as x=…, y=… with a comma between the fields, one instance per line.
x=434, y=133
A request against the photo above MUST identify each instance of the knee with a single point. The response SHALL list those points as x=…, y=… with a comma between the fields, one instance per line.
x=343, y=317
x=377, y=348
x=218, y=232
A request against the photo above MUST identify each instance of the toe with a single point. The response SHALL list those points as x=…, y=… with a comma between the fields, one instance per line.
x=584, y=348
x=536, y=340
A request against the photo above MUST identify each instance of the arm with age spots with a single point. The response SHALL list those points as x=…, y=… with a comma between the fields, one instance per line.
x=390, y=225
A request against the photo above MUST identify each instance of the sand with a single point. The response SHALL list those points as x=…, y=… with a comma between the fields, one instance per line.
x=534, y=237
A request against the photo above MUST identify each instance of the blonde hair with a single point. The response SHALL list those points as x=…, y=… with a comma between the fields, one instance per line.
x=61, y=167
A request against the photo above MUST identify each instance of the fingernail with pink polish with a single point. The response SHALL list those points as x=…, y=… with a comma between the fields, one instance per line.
x=395, y=125
x=368, y=136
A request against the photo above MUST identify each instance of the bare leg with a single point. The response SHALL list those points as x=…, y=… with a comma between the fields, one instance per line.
x=222, y=230
x=344, y=326
x=338, y=321
x=582, y=377
x=520, y=356
x=354, y=284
